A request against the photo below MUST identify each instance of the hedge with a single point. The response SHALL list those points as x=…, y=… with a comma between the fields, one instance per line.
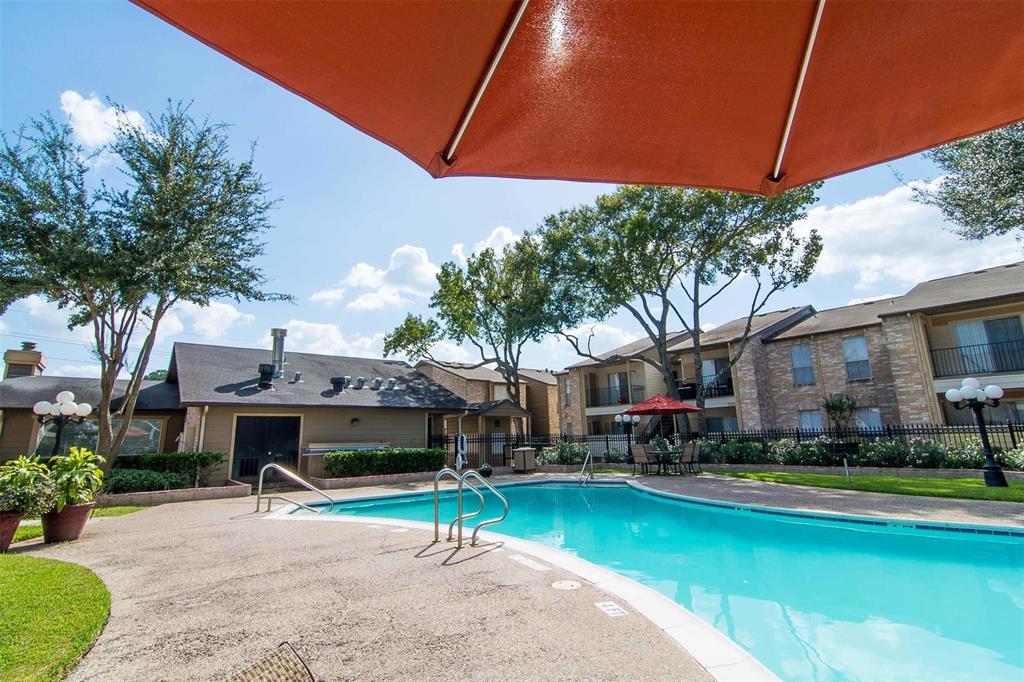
x=884, y=452
x=348, y=463
x=195, y=466
x=564, y=454
x=143, y=480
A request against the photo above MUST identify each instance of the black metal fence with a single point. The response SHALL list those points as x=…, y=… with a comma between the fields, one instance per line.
x=496, y=448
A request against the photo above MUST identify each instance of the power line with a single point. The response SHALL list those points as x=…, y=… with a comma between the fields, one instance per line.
x=83, y=344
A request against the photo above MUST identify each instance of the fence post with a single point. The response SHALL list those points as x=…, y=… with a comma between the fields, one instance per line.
x=1013, y=434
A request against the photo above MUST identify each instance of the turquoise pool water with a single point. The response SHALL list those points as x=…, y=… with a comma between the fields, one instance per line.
x=811, y=600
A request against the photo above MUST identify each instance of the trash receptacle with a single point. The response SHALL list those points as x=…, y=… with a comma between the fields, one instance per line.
x=524, y=460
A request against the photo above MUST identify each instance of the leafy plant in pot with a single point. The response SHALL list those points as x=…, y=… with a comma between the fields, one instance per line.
x=25, y=490
x=77, y=476
x=485, y=470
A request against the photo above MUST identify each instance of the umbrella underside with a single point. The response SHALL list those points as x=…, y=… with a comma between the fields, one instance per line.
x=682, y=93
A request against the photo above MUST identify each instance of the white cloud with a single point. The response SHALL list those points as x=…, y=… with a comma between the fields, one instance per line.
x=3, y=326
x=450, y=352
x=707, y=326
x=328, y=296
x=214, y=320
x=92, y=121
x=890, y=237
x=50, y=320
x=869, y=299
x=498, y=239
x=327, y=339
x=90, y=371
x=409, y=275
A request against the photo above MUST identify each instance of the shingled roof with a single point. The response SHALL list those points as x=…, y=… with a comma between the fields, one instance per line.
x=765, y=324
x=969, y=288
x=24, y=392
x=222, y=375
x=855, y=316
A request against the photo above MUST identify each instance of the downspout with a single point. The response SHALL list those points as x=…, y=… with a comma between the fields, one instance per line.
x=202, y=428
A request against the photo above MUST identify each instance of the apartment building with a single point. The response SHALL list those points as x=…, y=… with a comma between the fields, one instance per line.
x=896, y=356
x=492, y=411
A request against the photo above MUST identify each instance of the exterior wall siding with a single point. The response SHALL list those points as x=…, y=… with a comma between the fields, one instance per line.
x=911, y=370
x=18, y=434
x=570, y=417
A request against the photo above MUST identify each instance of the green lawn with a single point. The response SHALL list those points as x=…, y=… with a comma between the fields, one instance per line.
x=25, y=532
x=962, y=488
x=50, y=614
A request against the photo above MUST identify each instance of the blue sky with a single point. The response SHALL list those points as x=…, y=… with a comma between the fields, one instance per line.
x=360, y=230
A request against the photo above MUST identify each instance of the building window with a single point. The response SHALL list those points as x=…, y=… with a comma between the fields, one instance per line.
x=988, y=346
x=869, y=418
x=855, y=352
x=143, y=437
x=713, y=372
x=1017, y=411
x=810, y=420
x=803, y=369
x=720, y=424
x=567, y=392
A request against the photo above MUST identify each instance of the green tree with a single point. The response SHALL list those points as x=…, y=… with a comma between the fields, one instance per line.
x=663, y=254
x=841, y=410
x=982, y=186
x=182, y=224
x=497, y=304
x=156, y=375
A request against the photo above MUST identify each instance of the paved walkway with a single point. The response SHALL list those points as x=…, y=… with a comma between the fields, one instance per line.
x=830, y=500
x=201, y=589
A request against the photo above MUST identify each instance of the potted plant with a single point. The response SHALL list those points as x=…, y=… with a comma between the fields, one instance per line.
x=77, y=476
x=25, y=490
x=485, y=470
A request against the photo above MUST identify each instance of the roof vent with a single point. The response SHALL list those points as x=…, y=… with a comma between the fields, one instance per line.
x=391, y=383
x=376, y=383
x=266, y=370
x=28, y=345
x=338, y=384
x=278, y=334
x=360, y=382
x=298, y=378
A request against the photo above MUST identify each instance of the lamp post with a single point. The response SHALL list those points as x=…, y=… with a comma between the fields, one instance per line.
x=59, y=413
x=628, y=422
x=972, y=396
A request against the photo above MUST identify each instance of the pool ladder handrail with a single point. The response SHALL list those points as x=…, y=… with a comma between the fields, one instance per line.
x=294, y=477
x=463, y=481
x=586, y=476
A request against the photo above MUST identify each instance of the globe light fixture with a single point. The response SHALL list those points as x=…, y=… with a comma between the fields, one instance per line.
x=971, y=396
x=60, y=413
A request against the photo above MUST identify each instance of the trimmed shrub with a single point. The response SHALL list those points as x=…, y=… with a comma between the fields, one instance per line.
x=804, y=453
x=740, y=452
x=1014, y=459
x=925, y=454
x=613, y=456
x=966, y=455
x=348, y=463
x=564, y=453
x=193, y=465
x=143, y=480
x=884, y=452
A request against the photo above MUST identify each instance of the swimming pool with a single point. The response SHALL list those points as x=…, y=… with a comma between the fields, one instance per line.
x=810, y=598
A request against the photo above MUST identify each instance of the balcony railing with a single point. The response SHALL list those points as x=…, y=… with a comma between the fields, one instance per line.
x=614, y=395
x=983, y=358
x=688, y=389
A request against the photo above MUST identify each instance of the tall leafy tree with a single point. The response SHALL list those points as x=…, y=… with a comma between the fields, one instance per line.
x=182, y=223
x=496, y=303
x=663, y=254
x=982, y=187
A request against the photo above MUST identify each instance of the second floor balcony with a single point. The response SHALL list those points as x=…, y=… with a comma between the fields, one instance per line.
x=983, y=358
x=721, y=389
x=615, y=395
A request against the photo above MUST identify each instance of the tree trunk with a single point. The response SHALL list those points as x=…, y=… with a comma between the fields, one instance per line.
x=698, y=375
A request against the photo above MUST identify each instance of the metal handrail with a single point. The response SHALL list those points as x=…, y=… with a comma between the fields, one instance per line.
x=447, y=471
x=584, y=474
x=488, y=522
x=295, y=477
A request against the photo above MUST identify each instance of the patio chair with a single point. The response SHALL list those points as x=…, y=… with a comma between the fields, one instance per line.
x=687, y=457
x=640, y=458
x=695, y=462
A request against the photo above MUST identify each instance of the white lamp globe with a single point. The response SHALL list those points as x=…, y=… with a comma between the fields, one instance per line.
x=42, y=407
x=83, y=410
x=636, y=419
x=68, y=409
x=618, y=418
x=980, y=396
x=54, y=410
x=65, y=397
x=993, y=392
x=954, y=395
x=971, y=384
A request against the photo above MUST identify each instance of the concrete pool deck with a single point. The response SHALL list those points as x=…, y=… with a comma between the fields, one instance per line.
x=201, y=589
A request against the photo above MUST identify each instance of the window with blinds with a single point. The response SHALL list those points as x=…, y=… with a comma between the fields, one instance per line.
x=803, y=367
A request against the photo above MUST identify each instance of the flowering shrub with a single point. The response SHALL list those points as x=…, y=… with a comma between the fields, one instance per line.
x=1014, y=459
x=614, y=456
x=564, y=453
x=925, y=454
x=884, y=452
x=966, y=455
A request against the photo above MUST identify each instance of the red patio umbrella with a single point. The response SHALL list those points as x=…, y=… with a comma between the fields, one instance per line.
x=662, y=404
x=752, y=96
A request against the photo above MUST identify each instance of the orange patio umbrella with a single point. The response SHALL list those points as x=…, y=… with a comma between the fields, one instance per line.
x=752, y=96
x=662, y=404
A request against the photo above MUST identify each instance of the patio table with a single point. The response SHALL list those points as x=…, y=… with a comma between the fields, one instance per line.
x=664, y=459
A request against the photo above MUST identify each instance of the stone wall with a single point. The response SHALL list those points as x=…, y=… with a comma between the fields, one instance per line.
x=571, y=418
x=914, y=391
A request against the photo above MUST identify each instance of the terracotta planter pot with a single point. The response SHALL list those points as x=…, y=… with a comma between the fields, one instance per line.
x=67, y=524
x=8, y=524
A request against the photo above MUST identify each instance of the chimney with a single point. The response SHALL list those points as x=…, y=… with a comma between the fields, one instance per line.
x=278, y=351
x=24, y=362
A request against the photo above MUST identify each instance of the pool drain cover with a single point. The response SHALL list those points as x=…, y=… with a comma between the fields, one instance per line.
x=565, y=585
